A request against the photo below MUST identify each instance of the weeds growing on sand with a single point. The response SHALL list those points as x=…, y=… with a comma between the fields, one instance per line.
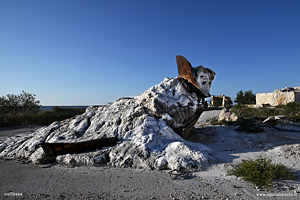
x=261, y=171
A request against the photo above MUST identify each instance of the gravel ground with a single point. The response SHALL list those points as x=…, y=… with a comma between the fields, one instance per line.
x=23, y=180
x=59, y=182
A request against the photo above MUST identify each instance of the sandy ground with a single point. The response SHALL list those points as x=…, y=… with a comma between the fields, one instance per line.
x=22, y=180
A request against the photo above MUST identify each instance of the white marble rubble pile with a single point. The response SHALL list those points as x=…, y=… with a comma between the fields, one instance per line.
x=144, y=125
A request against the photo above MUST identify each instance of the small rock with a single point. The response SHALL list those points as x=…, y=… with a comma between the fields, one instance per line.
x=226, y=115
x=46, y=165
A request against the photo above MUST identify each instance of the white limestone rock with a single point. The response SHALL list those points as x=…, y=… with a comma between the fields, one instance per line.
x=226, y=115
x=279, y=97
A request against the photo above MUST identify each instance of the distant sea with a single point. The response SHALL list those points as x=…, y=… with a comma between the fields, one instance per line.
x=50, y=108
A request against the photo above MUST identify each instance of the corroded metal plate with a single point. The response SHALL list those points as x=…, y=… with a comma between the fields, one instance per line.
x=184, y=70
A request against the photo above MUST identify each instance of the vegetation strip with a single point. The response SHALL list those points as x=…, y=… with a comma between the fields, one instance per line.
x=24, y=109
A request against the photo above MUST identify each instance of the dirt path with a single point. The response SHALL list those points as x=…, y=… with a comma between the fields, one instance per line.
x=32, y=181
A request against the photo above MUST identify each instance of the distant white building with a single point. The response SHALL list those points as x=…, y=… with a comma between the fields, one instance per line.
x=279, y=97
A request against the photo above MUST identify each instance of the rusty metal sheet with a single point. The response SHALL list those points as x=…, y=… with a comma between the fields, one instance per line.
x=55, y=149
x=184, y=70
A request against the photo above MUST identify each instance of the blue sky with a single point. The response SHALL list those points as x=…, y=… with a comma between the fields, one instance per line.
x=91, y=52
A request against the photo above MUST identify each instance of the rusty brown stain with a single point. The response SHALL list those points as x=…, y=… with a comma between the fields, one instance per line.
x=184, y=70
x=280, y=100
x=58, y=148
x=78, y=147
x=188, y=129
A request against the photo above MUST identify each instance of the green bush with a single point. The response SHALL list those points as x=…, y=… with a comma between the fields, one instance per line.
x=245, y=97
x=291, y=110
x=24, y=104
x=261, y=171
x=23, y=109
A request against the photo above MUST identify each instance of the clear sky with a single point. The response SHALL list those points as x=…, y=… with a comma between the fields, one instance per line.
x=91, y=52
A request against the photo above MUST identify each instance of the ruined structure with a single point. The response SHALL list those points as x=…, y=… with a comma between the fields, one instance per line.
x=146, y=131
x=279, y=97
x=222, y=101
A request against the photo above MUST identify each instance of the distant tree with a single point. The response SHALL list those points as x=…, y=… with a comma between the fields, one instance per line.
x=245, y=97
x=23, y=103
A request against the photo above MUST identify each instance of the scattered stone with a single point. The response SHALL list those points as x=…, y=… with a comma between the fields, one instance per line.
x=274, y=120
x=288, y=150
x=46, y=165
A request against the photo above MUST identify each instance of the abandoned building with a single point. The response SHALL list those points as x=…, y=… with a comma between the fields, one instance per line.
x=278, y=97
x=223, y=101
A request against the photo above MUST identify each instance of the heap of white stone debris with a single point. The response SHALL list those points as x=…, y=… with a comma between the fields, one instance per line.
x=144, y=126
